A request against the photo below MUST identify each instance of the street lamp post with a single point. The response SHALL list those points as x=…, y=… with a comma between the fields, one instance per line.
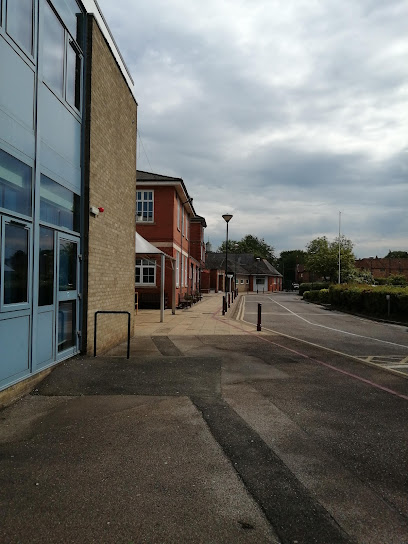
x=227, y=218
x=235, y=269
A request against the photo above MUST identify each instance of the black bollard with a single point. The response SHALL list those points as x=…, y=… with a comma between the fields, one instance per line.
x=223, y=305
x=229, y=301
x=258, y=326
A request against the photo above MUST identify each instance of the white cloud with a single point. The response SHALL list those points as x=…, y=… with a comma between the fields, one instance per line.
x=282, y=113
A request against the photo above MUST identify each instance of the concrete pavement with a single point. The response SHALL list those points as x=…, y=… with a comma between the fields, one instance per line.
x=107, y=450
x=207, y=434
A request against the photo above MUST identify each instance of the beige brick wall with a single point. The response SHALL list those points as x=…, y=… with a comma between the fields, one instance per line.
x=112, y=185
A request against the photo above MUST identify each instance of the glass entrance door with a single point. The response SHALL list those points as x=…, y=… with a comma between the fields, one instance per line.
x=67, y=296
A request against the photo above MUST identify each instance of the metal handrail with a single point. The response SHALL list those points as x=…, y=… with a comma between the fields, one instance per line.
x=112, y=312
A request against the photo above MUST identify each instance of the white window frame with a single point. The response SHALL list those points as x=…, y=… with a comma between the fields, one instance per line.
x=185, y=272
x=146, y=263
x=182, y=271
x=177, y=269
x=178, y=211
x=142, y=218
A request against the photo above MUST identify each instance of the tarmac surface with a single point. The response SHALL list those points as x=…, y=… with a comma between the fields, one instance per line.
x=198, y=438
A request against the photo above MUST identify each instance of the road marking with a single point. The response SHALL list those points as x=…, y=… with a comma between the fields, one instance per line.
x=327, y=365
x=393, y=362
x=339, y=330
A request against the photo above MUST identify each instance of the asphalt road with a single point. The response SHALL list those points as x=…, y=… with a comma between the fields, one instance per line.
x=251, y=438
x=380, y=343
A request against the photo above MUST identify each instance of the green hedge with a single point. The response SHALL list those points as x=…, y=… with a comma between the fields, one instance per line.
x=370, y=300
x=316, y=286
x=321, y=296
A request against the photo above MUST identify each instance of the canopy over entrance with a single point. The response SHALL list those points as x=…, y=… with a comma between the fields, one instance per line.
x=143, y=247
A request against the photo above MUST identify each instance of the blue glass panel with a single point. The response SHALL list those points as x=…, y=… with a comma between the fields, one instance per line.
x=58, y=205
x=15, y=184
x=20, y=22
x=66, y=325
x=73, y=90
x=15, y=264
x=46, y=265
x=67, y=266
x=53, y=50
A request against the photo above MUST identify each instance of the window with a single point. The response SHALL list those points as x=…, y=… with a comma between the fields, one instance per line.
x=62, y=53
x=247, y=281
x=144, y=206
x=58, y=205
x=66, y=325
x=185, y=272
x=74, y=66
x=182, y=221
x=182, y=271
x=177, y=269
x=242, y=281
x=46, y=268
x=15, y=263
x=53, y=50
x=178, y=212
x=19, y=23
x=15, y=185
x=67, y=266
x=145, y=272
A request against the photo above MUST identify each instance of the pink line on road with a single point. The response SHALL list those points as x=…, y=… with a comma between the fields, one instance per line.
x=350, y=374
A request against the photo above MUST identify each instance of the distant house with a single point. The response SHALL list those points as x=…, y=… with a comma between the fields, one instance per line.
x=379, y=267
x=382, y=268
x=165, y=216
x=246, y=272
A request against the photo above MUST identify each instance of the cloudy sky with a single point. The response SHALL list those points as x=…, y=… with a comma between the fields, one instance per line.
x=281, y=112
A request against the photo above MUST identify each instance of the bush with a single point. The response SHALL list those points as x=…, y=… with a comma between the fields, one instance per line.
x=306, y=295
x=380, y=281
x=315, y=286
x=323, y=296
x=397, y=279
x=370, y=300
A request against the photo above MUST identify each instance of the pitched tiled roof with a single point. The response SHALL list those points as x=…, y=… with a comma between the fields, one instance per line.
x=243, y=263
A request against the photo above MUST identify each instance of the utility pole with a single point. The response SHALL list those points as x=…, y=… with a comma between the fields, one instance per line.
x=339, y=246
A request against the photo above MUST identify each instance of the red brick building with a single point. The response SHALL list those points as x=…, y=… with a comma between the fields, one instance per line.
x=382, y=268
x=165, y=216
x=379, y=268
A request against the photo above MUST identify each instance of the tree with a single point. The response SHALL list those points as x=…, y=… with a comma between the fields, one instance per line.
x=356, y=275
x=286, y=264
x=397, y=255
x=250, y=244
x=322, y=258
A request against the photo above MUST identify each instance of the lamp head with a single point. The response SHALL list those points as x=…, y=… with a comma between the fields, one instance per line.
x=227, y=217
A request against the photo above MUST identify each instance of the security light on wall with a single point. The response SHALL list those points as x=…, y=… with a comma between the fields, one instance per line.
x=95, y=211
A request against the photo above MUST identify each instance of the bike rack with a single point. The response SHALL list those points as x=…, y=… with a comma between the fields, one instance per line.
x=112, y=312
